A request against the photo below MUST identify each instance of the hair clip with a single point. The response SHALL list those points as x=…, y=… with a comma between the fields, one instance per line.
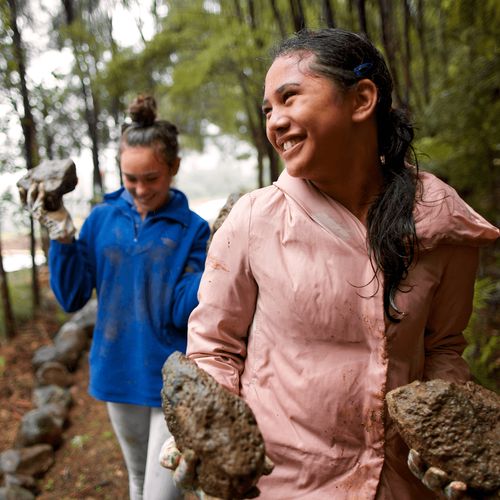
x=363, y=69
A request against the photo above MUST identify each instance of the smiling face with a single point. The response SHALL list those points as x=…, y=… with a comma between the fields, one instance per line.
x=146, y=177
x=308, y=119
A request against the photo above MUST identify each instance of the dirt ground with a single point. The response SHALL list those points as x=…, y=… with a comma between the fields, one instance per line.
x=88, y=465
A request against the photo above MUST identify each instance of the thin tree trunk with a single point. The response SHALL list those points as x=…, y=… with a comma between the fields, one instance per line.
x=29, y=131
x=361, y=8
x=278, y=18
x=407, y=58
x=251, y=13
x=327, y=13
x=90, y=101
x=389, y=41
x=423, y=50
x=299, y=20
x=8, y=313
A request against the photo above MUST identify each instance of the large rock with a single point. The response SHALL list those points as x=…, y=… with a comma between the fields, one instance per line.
x=86, y=316
x=15, y=493
x=455, y=427
x=71, y=340
x=223, y=213
x=44, y=354
x=217, y=425
x=42, y=425
x=29, y=461
x=58, y=177
x=53, y=373
x=51, y=394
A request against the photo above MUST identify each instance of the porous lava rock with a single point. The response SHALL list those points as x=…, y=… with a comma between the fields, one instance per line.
x=223, y=213
x=455, y=427
x=58, y=177
x=218, y=426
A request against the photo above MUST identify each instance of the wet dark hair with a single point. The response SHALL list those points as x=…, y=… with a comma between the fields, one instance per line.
x=146, y=130
x=346, y=58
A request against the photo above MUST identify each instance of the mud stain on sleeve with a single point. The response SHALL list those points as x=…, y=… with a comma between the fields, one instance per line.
x=216, y=265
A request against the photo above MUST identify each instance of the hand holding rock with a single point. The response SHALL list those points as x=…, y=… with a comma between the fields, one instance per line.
x=436, y=479
x=58, y=222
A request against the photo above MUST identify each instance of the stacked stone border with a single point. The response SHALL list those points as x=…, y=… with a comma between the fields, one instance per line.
x=41, y=429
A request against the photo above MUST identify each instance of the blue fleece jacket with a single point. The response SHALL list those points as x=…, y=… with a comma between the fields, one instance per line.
x=146, y=274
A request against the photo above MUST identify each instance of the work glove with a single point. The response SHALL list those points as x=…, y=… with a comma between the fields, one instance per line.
x=436, y=479
x=58, y=222
x=184, y=466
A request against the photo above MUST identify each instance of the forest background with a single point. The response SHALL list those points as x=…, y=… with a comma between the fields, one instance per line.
x=205, y=62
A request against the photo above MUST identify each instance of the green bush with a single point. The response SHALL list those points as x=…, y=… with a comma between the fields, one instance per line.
x=483, y=352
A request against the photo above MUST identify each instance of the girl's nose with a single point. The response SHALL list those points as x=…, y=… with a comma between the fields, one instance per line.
x=140, y=188
x=278, y=121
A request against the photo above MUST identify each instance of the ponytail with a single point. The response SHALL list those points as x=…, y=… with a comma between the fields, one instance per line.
x=391, y=227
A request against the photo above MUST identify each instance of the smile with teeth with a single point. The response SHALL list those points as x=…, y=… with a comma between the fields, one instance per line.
x=289, y=144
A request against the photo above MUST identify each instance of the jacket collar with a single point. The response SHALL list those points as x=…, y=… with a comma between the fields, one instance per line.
x=325, y=211
x=177, y=207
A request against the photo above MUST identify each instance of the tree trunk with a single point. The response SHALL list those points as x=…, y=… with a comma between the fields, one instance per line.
x=90, y=100
x=29, y=131
x=9, y=322
x=278, y=18
x=424, y=52
x=390, y=44
x=407, y=56
x=361, y=8
x=251, y=13
x=327, y=13
x=298, y=18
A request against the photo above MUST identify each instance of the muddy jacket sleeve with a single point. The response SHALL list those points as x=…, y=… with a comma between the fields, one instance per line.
x=72, y=272
x=218, y=327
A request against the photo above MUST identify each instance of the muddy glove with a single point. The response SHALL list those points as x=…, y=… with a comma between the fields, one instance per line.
x=58, y=222
x=436, y=479
x=184, y=467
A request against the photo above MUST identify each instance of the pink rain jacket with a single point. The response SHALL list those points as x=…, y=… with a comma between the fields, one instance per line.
x=291, y=318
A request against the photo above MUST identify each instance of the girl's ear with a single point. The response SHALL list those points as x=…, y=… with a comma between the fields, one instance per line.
x=174, y=166
x=365, y=100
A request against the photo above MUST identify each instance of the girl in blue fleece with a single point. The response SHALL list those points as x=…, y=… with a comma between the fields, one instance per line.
x=143, y=250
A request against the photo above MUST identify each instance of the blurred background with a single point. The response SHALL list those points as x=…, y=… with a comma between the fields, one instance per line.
x=69, y=68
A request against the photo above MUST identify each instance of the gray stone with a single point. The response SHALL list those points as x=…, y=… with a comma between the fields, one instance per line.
x=44, y=354
x=49, y=394
x=23, y=481
x=216, y=425
x=86, y=317
x=455, y=427
x=15, y=493
x=53, y=373
x=29, y=461
x=39, y=426
x=58, y=177
x=70, y=341
x=223, y=213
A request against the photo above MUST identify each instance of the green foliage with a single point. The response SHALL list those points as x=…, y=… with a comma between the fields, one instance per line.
x=459, y=129
x=483, y=350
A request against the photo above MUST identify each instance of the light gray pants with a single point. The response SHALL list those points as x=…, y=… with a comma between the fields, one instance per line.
x=141, y=432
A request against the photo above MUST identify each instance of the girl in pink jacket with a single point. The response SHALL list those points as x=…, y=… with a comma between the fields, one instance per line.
x=350, y=276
